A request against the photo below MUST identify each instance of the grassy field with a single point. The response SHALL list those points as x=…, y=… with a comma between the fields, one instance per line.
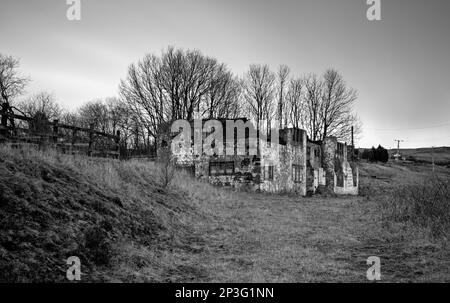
x=271, y=238
x=126, y=226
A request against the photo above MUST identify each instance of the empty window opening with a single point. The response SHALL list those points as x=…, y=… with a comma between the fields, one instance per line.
x=340, y=148
x=221, y=168
x=316, y=153
x=268, y=172
x=297, y=173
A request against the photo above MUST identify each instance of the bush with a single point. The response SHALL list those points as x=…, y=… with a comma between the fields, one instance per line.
x=365, y=154
x=166, y=168
x=425, y=205
x=376, y=154
x=381, y=154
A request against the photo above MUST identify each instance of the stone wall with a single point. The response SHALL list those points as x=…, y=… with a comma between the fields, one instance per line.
x=341, y=175
x=315, y=174
x=245, y=174
x=329, y=147
x=286, y=159
x=293, y=164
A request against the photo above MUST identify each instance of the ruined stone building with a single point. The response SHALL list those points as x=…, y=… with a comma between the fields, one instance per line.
x=291, y=164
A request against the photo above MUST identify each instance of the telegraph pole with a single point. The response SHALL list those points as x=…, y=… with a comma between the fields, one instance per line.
x=353, y=147
x=398, y=147
x=353, y=143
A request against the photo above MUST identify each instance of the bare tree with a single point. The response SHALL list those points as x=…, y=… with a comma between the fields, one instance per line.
x=336, y=110
x=295, y=104
x=12, y=84
x=95, y=113
x=329, y=107
x=110, y=115
x=282, y=78
x=117, y=113
x=177, y=84
x=222, y=97
x=144, y=93
x=313, y=100
x=197, y=75
x=259, y=89
x=121, y=118
x=70, y=118
x=230, y=106
x=42, y=104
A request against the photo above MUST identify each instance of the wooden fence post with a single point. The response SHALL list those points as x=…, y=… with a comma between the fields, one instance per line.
x=55, y=131
x=4, y=114
x=91, y=136
x=74, y=138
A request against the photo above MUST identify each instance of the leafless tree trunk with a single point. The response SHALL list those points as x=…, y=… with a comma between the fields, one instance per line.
x=222, y=97
x=295, y=103
x=177, y=84
x=258, y=94
x=329, y=107
x=282, y=75
x=43, y=104
x=336, y=110
x=11, y=83
x=313, y=100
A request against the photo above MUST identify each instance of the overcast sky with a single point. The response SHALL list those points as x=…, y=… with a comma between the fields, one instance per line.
x=400, y=65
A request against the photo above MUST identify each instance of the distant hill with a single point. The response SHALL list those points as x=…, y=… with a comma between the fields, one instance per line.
x=425, y=154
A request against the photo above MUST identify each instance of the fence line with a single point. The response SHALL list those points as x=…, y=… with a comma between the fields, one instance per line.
x=63, y=136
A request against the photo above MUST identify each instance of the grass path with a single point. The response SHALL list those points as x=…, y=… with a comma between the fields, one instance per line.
x=270, y=238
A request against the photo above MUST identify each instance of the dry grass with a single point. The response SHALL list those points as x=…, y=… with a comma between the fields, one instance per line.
x=190, y=231
x=425, y=204
x=410, y=219
x=53, y=206
x=410, y=193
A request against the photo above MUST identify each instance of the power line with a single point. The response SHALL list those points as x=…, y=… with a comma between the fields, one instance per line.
x=410, y=128
x=428, y=139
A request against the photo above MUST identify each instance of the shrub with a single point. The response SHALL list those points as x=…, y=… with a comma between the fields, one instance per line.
x=365, y=154
x=376, y=154
x=166, y=167
x=373, y=155
x=381, y=154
